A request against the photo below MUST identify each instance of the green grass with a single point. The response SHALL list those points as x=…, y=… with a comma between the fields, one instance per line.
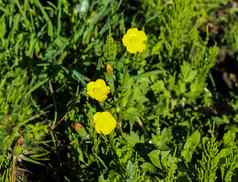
x=176, y=104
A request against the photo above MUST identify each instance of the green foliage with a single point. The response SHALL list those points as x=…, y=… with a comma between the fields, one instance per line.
x=214, y=159
x=231, y=37
x=21, y=140
x=175, y=104
x=190, y=146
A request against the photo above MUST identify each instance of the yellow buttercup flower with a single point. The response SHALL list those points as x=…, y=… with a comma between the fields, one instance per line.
x=104, y=122
x=98, y=90
x=134, y=40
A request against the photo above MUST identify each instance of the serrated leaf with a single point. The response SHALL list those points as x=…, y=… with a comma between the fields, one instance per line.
x=155, y=158
x=188, y=73
x=229, y=138
x=162, y=141
x=192, y=142
x=132, y=139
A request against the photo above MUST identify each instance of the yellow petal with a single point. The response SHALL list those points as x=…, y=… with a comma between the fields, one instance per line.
x=98, y=90
x=142, y=36
x=132, y=31
x=134, y=40
x=104, y=122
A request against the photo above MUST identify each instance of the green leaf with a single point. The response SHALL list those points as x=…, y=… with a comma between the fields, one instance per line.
x=110, y=48
x=191, y=144
x=229, y=138
x=131, y=169
x=155, y=158
x=162, y=141
x=187, y=72
x=133, y=138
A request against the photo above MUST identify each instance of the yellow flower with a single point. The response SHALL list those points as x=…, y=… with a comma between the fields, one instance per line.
x=104, y=122
x=98, y=90
x=134, y=40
